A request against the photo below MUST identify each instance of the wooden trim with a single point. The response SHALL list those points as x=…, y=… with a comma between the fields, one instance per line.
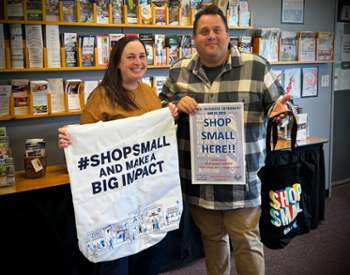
x=285, y=144
x=301, y=62
x=55, y=175
x=63, y=68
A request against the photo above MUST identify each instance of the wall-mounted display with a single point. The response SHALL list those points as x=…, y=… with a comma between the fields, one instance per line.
x=343, y=10
x=310, y=81
x=292, y=11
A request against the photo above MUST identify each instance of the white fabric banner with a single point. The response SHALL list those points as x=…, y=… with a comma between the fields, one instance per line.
x=125, y=184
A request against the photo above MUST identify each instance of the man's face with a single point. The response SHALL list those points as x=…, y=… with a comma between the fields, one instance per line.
x=211, y=40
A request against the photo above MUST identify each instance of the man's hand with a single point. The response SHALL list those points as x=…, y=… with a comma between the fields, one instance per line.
x=280, y=108
x=187, y=105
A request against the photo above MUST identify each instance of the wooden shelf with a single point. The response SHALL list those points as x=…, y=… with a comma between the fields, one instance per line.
x=301, y=62
x=55, y=175
x=102, y=68
x=26, y=70
x=62, y=69
x=4, y=118
x=82, y=24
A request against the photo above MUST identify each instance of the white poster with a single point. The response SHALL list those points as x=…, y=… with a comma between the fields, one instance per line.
x=57, y=94
x=310, y=82
x=53, y=46
x=345, y=53
x=217, y=144
x=292, y=82
x=342, y=65
x=125, y=184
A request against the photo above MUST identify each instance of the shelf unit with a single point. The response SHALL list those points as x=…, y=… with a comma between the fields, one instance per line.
x=140, y=23
x=123, y=27
x=30, y=115
x=8, y=67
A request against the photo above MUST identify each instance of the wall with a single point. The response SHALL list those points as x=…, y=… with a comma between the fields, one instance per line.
x=341, y=137
x=341, y=118
x=319, y=16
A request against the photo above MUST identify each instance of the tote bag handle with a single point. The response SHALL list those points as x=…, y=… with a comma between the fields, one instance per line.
x=272, y=131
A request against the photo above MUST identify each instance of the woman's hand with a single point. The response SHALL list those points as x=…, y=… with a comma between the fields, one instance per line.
x=187, y=105
x=173, y=110
x=63, y=138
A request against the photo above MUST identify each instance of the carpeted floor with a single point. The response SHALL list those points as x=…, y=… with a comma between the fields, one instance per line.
x=323, y=251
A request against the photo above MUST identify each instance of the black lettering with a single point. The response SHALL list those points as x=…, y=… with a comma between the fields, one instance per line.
x=96, y=187
x=105, y=157
x=152, y=171
x=165, y=143
x=129, y=164
x=102, y=173
x=116, y=154
x=145, y=147
x=136, y=149
x=104, y=185
x=154, y=145
x=94, y=160
x=126, y=151
x=110, y=170
x=160, y=164
x=112, y=183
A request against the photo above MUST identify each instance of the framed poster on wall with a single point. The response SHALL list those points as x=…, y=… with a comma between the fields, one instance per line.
x=292, y=11
x=310, y=82
x=343, y=10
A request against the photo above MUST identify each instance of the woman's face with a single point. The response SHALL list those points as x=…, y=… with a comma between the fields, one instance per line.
x=133, y=62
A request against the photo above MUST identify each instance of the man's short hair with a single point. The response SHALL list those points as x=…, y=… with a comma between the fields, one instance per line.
x=209, y=10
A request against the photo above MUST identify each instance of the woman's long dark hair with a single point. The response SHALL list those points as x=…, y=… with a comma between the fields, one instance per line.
x=112, y=80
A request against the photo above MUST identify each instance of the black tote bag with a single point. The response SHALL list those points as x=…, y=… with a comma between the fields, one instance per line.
x=284, y=207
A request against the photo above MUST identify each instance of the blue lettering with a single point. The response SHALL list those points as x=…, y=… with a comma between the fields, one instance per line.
x=214, y=122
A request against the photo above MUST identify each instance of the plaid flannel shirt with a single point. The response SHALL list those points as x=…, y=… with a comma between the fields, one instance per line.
x=244, y=78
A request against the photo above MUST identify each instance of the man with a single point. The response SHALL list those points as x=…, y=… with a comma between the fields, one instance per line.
x=219, y=73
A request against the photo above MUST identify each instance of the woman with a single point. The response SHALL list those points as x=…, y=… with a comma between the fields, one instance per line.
x=121, y=94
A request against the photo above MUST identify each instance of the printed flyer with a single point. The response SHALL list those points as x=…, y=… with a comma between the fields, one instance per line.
x=217, y=144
